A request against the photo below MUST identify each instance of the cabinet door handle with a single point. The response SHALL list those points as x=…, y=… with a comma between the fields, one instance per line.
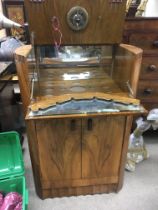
x=152, y=68
x=155, y=43
x=148, y=91
x=73, y=125
x=90, y=124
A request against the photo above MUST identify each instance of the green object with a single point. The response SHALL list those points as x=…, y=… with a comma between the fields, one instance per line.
x=12, y=177
x=11, y=160
x=17, y=184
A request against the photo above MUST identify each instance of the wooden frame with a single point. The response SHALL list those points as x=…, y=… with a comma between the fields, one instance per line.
x=14, y=10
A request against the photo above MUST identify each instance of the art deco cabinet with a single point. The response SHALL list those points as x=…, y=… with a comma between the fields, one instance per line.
x=78, y=86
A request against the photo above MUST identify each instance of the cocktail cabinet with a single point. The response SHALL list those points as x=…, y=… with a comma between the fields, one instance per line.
x=78, y=86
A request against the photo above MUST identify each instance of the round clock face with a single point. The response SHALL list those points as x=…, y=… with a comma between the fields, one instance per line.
x=77, y=18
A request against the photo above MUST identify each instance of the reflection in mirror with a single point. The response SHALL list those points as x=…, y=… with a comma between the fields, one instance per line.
x=74, y=54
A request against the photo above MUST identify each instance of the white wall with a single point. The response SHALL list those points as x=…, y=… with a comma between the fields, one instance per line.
x=151, y=9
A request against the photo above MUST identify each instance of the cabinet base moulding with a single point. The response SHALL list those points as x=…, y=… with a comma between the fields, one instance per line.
x=76, y=191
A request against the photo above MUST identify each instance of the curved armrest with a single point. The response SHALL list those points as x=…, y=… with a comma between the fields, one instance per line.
x=23, y=51
x=132, y=49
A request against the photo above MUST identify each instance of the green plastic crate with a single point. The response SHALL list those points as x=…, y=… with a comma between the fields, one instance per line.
x=11, y=166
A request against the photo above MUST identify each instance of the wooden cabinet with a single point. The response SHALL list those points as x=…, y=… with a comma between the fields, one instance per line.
x=78, y=141
x=77, y=156
x=79, y=98
x=143, y=32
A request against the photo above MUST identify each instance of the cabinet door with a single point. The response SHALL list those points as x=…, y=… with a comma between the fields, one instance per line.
x=101, y=146
x=59, y=145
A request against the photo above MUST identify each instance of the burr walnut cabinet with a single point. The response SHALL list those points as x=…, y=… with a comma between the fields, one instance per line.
x=78, y=86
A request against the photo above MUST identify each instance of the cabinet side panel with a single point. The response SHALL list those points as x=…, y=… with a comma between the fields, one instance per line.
x=23, y=72
x=127, y=67
x=34, y=154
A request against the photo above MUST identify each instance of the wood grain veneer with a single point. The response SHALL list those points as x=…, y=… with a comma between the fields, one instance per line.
x=105, y=21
